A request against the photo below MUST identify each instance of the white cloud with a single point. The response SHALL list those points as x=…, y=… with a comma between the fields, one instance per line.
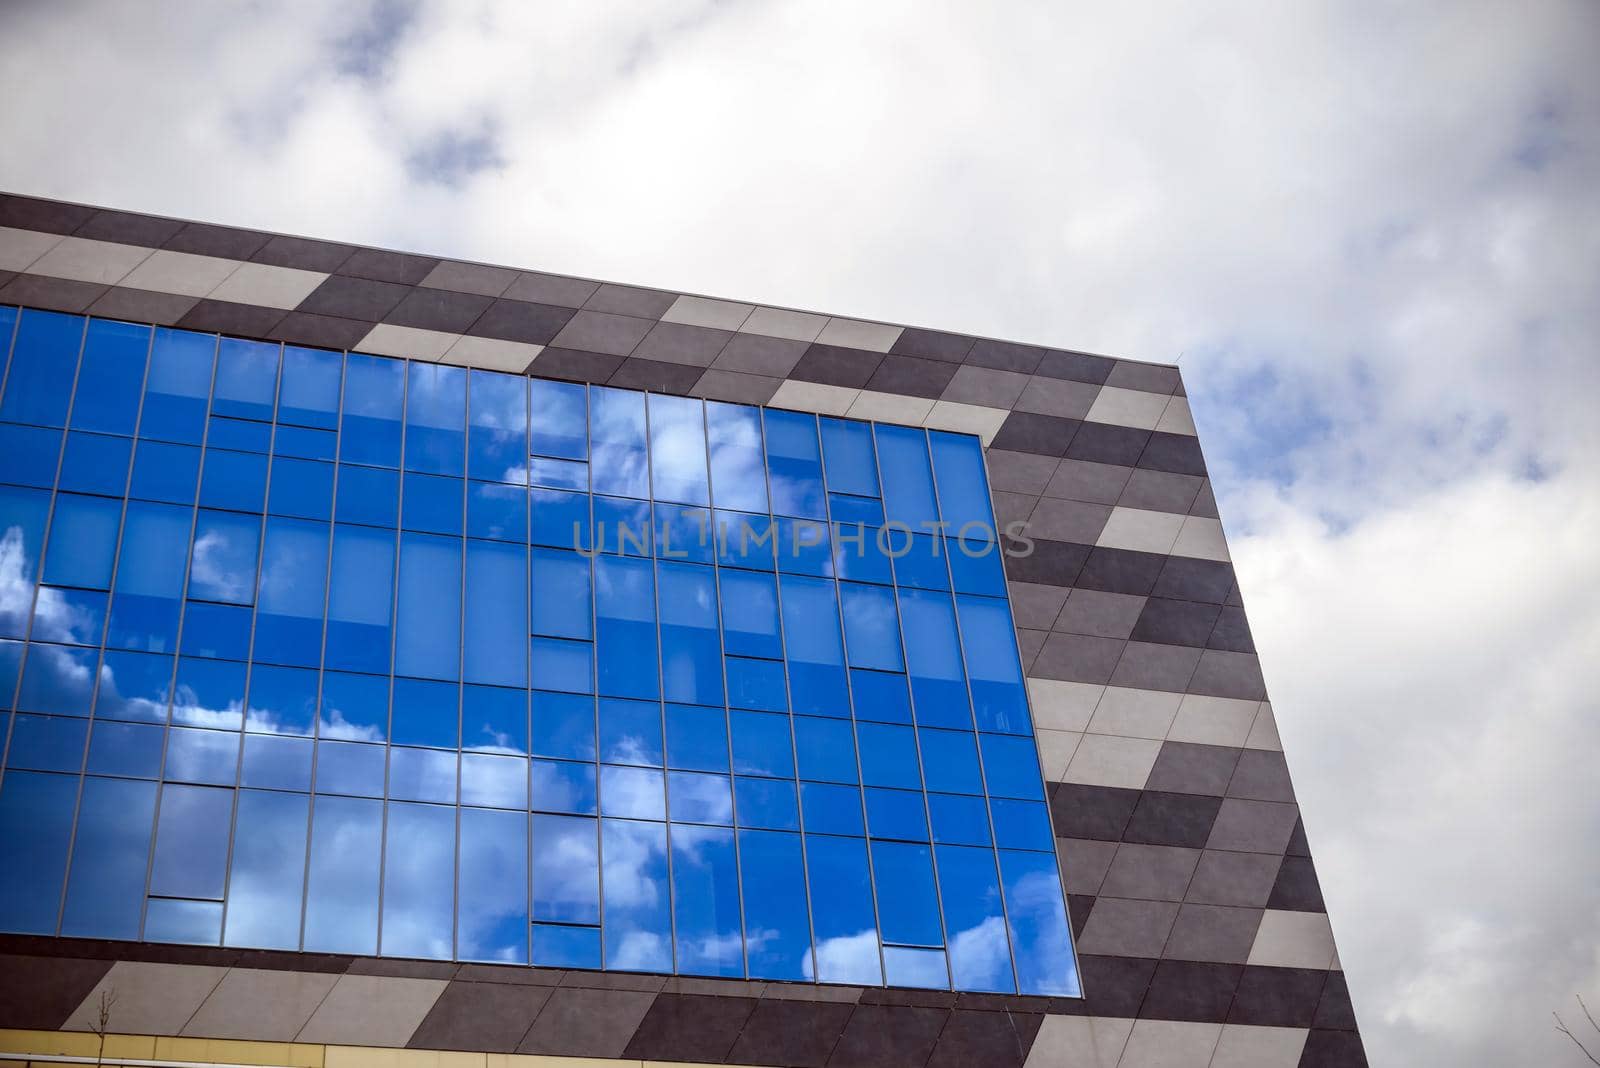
x=1369, y=229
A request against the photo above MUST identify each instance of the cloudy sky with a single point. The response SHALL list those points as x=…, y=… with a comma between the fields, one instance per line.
x=1370, y=232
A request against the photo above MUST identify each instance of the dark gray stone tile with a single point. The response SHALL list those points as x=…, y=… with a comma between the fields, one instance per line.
x=1083, y=480
x=322, y=331
x=1150, y=377
x=888, y=1036
x=695, y=346
x=970, y=1037
x=911, y=376
x=1297, y=841
x=1205, y=502
x=517, y=320
x=1036, y=605
x=690, y=1027
x=614, y=981
x=1029, y=642
x=1085, y=861
x=758, y=354
x=1078, y=908
x=1173, y=819
x=1334, y=1010
x=1078, y=658
x=1112, y=986
x=475, y=278
x=932, y=345
x=480, y=1017
x=736, y=387
x=515, y=974
x=1012, y=508
x=1187, y=768
x=1161, y=491
x=1190, y=990
x=1185, y=578
x=142, y=306
x=39, y=993
x=1224, y=878
x=1121, y=571
x=51, y=294
x=1103, y=615
x=1232, y=632
x=224, y=242
x=1261, y=775
x=1075, y=366
x=1098, y=813
x=1252, y=826
x=553, y=289
x=985, y=385
x=1063, y=520
x=353, y=298
x=48, y=216
x=1176, y=622
x=1046, y=435
x=836, y=366
x=1156, y=873
x=1103, y=443
x=800, y=1033
x=382, y=266
x=1296, y=888
x=575, y=366
x=1057, y=396
x=1005, y=356
x=226, y=317
x=1333, y=1049
x=444, y=310
x=1126, y=928
x=126, y=228
x=302, y=253
x=593, y=331
x=1277, y=997
x=587, y=1023
x=1222, y=674
x=1053, y=563
x=630, y=300
x=1019, y=472
x=1216, y=933
x=1178, y=453
x=648, y=374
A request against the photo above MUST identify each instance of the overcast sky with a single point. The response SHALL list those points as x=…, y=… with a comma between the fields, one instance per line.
x=1371, y=231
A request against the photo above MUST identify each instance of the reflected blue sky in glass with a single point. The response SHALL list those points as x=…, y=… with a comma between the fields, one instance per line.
x=420, y=520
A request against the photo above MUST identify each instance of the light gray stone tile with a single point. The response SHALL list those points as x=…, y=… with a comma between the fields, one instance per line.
x=268, y=286
x=1133, y=713
x=814, y=397
x=1082, y=480
x=82, y=260
x=1177, y=419
x=1063, y=520
x=1055, y=752
x=1128, y=407
x=151, y=999
x=409, y=342
x=1120, y=927
x=1106, y=760
x=976, y=419
x=1213, y=720
x=890, y=407
x=1065, y=706
x=1264, y=731
x=1293, y=940
x=1057, y=396
x=20, y=248
x=1248, y=1046
x=778, y=322
x=1103, y=615
x=1151, y=872
x=704, y=311
x=856, y=334
x=986, y=386
x=260, y=1005
x=1240, y=879
x=180, y=272
x=1170, y=1044
x=1141, y=530
x=1201, y=538
x=469, y=351
x=372, y=1010
x=1079, y=1042
x=1253, y=826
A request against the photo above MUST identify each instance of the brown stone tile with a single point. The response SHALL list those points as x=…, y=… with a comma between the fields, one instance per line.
x=690, y=1027
x=51, y=294
x=127, y=228
x=888, y=1036
x=322, y=331
x=203, y=239
x=226, y=317
x=142, y=306
x=49, y=216
x=799, y=1033
x=651, y=375
x=518, y=320
x=482, y=1017
x=302, y=253
x=383, y=266
x=39, y=993
x=973, y=1037
x=587, y=1023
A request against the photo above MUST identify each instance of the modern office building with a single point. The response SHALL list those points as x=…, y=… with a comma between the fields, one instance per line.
x=408, y=661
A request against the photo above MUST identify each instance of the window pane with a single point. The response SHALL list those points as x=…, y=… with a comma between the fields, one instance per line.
x=618, y=462
x=183, y=921
x=308, y=393
x=368, y=495
x=272, y=762
x=1039, y=935
x=560, y=422
x=904, y=874
x=496, y=647
x=223, y=567
x=165, y=472
x=114, y=356
x=990, y=644
x=625, y=627
x=302, y=488
x=637, y=793
x=738, y=476
x=980, y=956
x=563, y=725
x=907, y=479
x=374, y=398
x=705, y=900
x=283, y=700
x=96, y=463
x=638, y=933
x=28, y=455
x=794, y=464
x=561, y=594
x=494, y=886
x=888, y=756
x=812, y=643
x=111, y=848
x=178, y=386
x=691, y=650
x=933, y=658
x=144, y=610
x=963, y=490
x=83, y=541
x=566, y=869
x=847, y=448
x=773, y=874
x=268, y=872
x=342, y=880
x=842, y=911
x=233, y=480
x=35, y=821
x=200, y=756
x=191, y=853
x=697, y=738
x=43, y=360
x=290, y=606
x=247, y=379
x=360, y=598
x=694, y=797
x=497, y=437
x=419, y=882
x=871, y=627
x=493, y=781
x=678, y=450
x=1011, y=766
x=494, y=720
x=425, y=713
x=436, y=418
x=427, y=640
x=750, y=614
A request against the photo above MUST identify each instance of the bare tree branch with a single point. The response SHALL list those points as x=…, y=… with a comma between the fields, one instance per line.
x=1562, y=1027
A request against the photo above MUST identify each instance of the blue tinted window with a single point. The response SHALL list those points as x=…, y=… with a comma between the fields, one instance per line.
x=282, y=700
x=425, y=713
x=933, y=659
x=436, y=418
x=360, y=599
x=105, y=892
x=559, y=519
x=44, y=359
x=908, y=496
x=35, y=822
x=750, y=614
x=794, y=464
x=308, y=389
x=493, y=924
x=958, y=820
x=494, y=719
x=422, y=775
x=22, y=522
x=210, y=693
x=419, y=882
x=234, y=480
x=563, y=725
x=267, y=873
x=896, y=814
x=691, y=660
x=132, y=750
x=247, y=379
x=96, y=463
x=871, y=627
x=198, y=756
x=432, y=504
x=705, y=898
x=989, y=642
x=149, y=586
x=276, y=763
x=625, y=631
x=191, y=852
x=560, y=423
x=109, y=381
x=974, y=919
x=301, y=488
x=178, y=386
x=831, y=809
x=630, y=732
x=28, y=455
x=497, y=432
x=842, y=911
x=498, y=512
x=697, y=738
x=165, y=472
x=695, y=797
x=762, y=744
x=963, y=489
x=638, y=924
x=83, y=541
x=559, y=786
x=811, y=638
x=678, y=450
x=223, y=567
x=773, y=871
x=1011, y=766
x=342, y=875
x=622, y=527
x=738, y=476
x=904, y=875
x=291, y=601
x=617, y=462
x=1039, y=937
x=768, y=803
x=374, y=398
x=495, y=647
x=350, y=768
x=427, y=626
x=47, y=743
x=566, y=869
x=847, y=448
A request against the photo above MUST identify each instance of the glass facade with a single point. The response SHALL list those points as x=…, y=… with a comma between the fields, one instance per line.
x=342, y=653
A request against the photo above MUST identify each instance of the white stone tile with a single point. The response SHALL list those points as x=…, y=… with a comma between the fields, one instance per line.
x=1127, y=407
x=1055, y=752
x=1248, y=1046
x=386, y=339
x=1170, y=1044
x=777, y=322
x=1105, y=760
x=1213, y=720
x=1079, y=1042
x=1132, y=713
x=966, y=419
x=1264, y=731
x=180, y=272
x=514, y=356
x=856, y=334
x=1202, y=538
x=891, y=408
x=268, y=286
x=1177, y=419
x=1141, y=530
x=83, y=260
x=19, y=248
x=151, y=999
x=1063, y=706
x=372, y=1010
x=703, y=311
x=813, y=397
x=1293, y=940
